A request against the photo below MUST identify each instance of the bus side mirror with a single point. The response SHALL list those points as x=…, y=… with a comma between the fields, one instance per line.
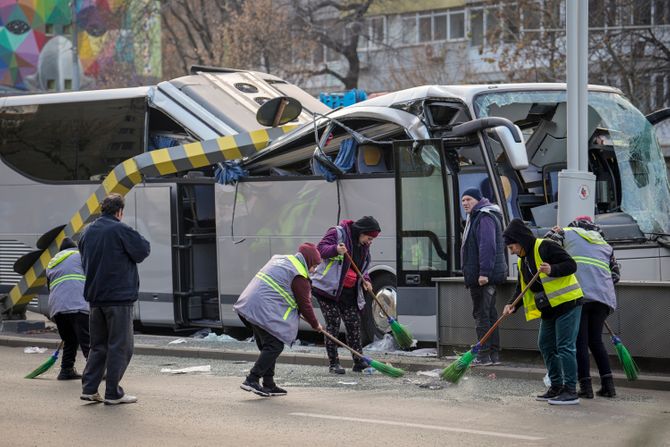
x=515, y=150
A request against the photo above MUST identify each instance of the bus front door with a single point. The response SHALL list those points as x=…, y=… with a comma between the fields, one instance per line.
x=425, y=235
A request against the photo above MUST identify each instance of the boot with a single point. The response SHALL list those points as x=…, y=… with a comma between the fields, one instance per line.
x=585, y=388
x=335, y=368
x=607, y=387
x=68, y=374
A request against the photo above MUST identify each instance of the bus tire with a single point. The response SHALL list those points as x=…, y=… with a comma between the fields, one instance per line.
x=369, y=329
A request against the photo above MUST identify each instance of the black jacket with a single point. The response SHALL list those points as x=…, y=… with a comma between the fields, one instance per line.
x=553, y=254
x=110, y=251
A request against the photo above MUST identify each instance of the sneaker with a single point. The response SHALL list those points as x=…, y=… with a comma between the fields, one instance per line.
x=481, y=362
x=125, y=399
x=552, y=392
x=336, y=369
x=567, y=397
x=359, y=367
x=68, y=374
x=254, y=387
x=274, y=390
x=96, y=397
x=495, y=359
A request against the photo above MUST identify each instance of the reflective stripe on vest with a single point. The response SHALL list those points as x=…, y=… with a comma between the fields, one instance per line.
x=288, y=297
x=559, y=290
x=70, y=277
x=60, y=257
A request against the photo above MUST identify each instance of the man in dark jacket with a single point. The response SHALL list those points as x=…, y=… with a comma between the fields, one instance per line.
x=556, y=298
x=484, y=266
x=110, y=251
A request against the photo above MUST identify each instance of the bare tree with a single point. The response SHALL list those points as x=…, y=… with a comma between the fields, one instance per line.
x=258, y=36
x=625, y=49
x=337, y=25
x=193, y=33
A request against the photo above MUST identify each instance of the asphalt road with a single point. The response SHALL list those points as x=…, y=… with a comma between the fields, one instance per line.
x=320, y=409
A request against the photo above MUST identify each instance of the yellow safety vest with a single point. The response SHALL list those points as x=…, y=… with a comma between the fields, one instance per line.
x=559, y=290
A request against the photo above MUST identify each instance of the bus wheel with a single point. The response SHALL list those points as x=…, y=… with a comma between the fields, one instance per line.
x=373, y=321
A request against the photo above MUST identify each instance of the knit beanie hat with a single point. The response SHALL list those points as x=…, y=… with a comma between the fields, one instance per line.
x=586, y=223
x=474, y=193
x=67, y=243
x=310, y=253
x=518, y=233
x=367, y=225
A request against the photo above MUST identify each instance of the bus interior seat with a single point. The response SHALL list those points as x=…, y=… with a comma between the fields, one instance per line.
x=550, y=181
x=510, y=192
x=370, y=159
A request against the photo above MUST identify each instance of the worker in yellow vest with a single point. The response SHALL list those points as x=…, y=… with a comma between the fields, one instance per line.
x=556, y=298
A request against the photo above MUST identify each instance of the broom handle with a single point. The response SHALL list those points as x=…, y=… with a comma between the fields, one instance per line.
x=609, y=329
x=358, y=272
x=334, y=339
x=516, y=300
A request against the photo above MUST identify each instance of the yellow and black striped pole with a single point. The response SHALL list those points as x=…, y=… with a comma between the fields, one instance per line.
x=128, y=174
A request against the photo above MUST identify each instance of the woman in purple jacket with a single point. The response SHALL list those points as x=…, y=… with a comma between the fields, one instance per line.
x=337, y=287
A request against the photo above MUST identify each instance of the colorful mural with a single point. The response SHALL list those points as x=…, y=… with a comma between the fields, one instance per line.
x=117, y=41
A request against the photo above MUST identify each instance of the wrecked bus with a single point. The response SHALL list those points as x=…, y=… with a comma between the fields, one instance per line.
x=402, y=157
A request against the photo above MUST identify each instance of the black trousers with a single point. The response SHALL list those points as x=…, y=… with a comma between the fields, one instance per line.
x=590, y=337
x=111, y=348
x=270, y=347
x=73, y=330
x=485, y=314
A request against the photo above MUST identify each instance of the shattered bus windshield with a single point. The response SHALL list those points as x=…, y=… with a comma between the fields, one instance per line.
x=623, y=150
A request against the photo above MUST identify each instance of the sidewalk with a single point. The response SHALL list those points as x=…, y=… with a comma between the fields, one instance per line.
x=225, y=348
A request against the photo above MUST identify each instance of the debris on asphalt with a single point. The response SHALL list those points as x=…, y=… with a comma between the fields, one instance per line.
x=435, y=385
x=346, y=383
x=177, y=341
x=202, y=333
x=189, y=369
x=34, y=350
x=431, y=373
x=492, y=376
x=218, y=338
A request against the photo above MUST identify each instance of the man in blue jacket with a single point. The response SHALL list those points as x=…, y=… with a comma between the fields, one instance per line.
x=110, y=251
x=484, y=266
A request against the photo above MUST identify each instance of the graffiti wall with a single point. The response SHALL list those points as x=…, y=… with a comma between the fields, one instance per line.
x=118, y=43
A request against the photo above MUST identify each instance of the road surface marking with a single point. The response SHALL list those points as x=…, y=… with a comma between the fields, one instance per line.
x=424, y=426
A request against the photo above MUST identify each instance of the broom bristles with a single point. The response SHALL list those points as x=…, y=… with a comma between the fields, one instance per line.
x=630, y=368
x=401, y=334
x=458, y=367
x=385, y=369
x=44, y=367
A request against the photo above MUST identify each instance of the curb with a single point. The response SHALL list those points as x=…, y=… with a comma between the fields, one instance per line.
x=644, y=381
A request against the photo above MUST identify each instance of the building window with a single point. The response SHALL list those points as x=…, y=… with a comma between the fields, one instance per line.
x=425, y=29
x=476, y=27
x=440, y=27
x=661, y=12
x=409, y=29
x=456, y=25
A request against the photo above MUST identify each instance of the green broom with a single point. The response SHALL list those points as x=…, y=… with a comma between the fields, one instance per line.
x=402, y=336
x=383, y=368
x=629, y=366
x=458, y=367
x=46, y=366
